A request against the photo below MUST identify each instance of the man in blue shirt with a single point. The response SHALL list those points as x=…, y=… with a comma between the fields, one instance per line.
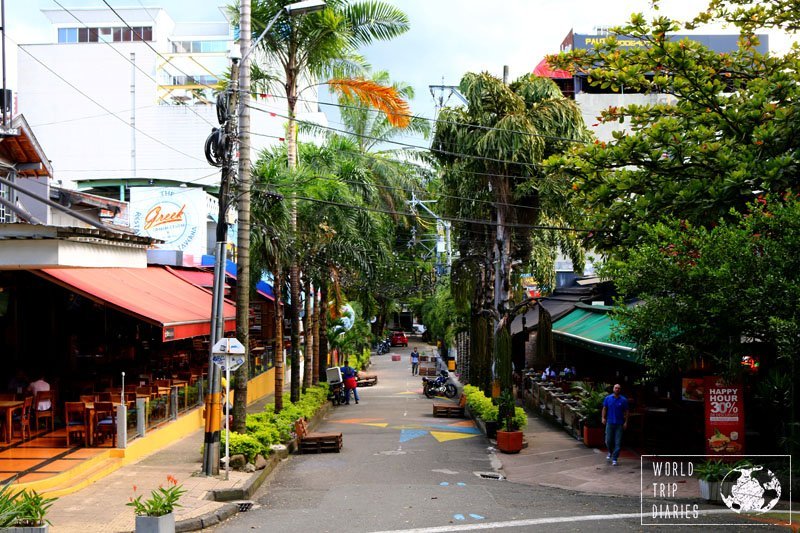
x=615, y=417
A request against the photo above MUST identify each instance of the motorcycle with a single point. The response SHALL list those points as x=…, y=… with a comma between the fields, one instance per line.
x=383, y=347
x=337, y=394
x=439, y=386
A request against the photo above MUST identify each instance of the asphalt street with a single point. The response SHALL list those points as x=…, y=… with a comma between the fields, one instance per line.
x=402, y=470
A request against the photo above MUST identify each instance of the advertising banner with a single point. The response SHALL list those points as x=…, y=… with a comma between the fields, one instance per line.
x=724, y=416
x=176, y=215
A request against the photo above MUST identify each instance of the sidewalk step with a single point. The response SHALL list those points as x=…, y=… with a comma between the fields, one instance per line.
x=76, y=478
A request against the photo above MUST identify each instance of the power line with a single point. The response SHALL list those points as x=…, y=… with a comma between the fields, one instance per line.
x=137, y=67
x=101, y=106
x=449, y=219
x=434, y=120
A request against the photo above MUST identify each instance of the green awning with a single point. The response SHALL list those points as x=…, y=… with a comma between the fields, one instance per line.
x=591, y=327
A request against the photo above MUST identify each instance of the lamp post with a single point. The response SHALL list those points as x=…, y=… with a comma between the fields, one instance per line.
x=238, y=103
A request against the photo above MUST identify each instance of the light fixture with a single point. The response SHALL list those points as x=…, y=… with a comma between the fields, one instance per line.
x=306, y=6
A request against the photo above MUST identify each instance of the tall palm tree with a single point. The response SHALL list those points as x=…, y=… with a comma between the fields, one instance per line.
x=319, y=45
x=491, y=150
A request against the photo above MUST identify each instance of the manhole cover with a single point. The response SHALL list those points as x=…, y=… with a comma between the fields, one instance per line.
x=489, y=475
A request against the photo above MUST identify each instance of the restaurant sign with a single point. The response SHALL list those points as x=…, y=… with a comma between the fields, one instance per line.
x=175, y=215
x=724, y=416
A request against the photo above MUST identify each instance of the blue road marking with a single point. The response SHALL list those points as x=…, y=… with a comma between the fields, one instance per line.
x=411, y=434
x=444, y=483
x=460, y=484
x=458, y=516
x=476, y=516
x=455, y=429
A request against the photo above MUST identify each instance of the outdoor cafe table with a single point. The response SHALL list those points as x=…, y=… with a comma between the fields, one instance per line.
x=9, y=406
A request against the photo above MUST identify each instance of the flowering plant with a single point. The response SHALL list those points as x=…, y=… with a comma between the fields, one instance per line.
x=162, y=500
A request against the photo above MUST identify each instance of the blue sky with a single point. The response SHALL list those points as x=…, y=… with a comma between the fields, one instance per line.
x=447, y=38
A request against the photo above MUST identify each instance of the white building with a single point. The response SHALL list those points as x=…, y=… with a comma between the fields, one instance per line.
x=127, y=99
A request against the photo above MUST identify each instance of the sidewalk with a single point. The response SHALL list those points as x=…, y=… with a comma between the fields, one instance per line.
x=81, y=511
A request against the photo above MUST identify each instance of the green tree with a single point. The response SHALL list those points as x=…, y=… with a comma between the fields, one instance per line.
x=723, y=134
x=491, y=151
x=716, y=295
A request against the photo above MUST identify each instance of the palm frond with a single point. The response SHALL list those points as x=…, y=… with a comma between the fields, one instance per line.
x=385, y=99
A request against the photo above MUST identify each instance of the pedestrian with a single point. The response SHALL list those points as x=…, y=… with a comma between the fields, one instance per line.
x=40, y=385
x=414, y=362
x=615, y=417
x=350, y=378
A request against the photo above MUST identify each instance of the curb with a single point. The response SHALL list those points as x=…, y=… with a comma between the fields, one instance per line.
x=248, y=489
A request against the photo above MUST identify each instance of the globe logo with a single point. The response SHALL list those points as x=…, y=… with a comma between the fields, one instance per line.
x=755, y=491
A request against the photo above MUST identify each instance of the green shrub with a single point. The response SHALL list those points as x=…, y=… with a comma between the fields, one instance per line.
x=246, y=445
x=268, y=428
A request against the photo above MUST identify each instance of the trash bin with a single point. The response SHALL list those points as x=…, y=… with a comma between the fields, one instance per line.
x=451, y=365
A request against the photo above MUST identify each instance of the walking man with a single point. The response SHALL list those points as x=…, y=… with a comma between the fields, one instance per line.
x=414, y=362
x=615, y=417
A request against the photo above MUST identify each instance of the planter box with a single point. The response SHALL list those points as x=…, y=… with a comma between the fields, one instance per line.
x=509, y=441
x=593, y=437
x=27, y=529
x=156, y=524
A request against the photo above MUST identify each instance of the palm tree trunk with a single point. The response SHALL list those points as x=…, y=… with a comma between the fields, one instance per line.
x=277, y=345
x=294, y=270
x=308, y=366
x=323, y=329
x=320, y=368
x=502, y=267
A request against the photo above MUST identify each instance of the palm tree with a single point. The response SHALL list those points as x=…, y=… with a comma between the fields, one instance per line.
x=491, y=150
x=319, y=45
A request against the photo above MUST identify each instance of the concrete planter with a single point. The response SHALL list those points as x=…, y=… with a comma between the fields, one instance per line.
x=711, y=491
x=156, y=524
x=27, y=529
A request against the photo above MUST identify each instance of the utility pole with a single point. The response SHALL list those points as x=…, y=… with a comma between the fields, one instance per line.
x=243, y=236
x=220, y=151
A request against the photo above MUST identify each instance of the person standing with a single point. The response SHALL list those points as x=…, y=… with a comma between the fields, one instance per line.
x=349, y=376
x=414, y=362
x=615, y=417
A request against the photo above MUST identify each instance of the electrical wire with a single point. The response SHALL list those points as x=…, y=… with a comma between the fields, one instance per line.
x=137, y=67
x=101, y=106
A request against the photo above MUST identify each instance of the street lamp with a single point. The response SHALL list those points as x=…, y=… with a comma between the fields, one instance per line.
x=240, y=85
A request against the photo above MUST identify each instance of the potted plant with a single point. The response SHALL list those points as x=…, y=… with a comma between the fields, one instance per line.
x=23, y=511
x=711, y=475
x=509, y=438
x=590, y=407
x=156, y=514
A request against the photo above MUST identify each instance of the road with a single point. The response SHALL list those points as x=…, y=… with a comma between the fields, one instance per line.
x=402, y=470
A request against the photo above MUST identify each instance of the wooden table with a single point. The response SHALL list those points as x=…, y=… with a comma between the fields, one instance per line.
x=9, y=406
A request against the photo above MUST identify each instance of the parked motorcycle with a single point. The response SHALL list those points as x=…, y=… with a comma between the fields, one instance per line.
x=439, y=386
x=337, y=394
x=383, y=347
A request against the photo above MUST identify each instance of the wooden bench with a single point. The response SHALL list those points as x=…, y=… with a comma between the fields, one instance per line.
x=450, y=409
x=316, y=442
x=367, y=380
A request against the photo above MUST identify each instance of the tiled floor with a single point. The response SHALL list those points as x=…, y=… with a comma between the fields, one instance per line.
x=44, y=456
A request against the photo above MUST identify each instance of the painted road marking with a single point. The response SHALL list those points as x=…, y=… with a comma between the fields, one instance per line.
x=476, y=516
x=444, y=483
x=458, y=516
x=528, y=522
x=376, y=424
x=444, y=436
x=411, y=434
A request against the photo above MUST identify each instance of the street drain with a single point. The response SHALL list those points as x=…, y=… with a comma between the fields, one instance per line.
x=244, y=506
x=489, y=475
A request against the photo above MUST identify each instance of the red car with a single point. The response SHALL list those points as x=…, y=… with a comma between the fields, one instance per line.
x=399, y=339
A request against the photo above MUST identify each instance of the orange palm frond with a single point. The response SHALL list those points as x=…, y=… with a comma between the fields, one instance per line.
x=382, y=98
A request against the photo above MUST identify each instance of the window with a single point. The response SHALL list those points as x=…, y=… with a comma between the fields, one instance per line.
x=68, y=35
x=104, y=35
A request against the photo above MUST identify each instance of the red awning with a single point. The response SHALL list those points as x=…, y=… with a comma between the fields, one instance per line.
x=544, y=70
x=151, y=294
x=201, y=278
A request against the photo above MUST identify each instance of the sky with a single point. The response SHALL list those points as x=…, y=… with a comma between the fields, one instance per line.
x=447, y=37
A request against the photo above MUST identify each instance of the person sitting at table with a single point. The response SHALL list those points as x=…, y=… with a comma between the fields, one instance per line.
x=40, y=385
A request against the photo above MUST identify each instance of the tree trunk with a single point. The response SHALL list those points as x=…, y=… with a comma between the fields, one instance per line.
x=323, y=330
x=320, y=368
x=308, y=365
x=502, y=267
x=277, y=345
x=294, y=271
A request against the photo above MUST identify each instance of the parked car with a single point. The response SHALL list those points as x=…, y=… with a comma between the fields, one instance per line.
x=399, y=339
x=419, y=329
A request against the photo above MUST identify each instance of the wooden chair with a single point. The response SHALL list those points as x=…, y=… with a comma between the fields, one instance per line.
x=105, y=422
x=46, y=414
x=75, y=420
x=24, y=418
x=88, y=398
x=106, y=397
